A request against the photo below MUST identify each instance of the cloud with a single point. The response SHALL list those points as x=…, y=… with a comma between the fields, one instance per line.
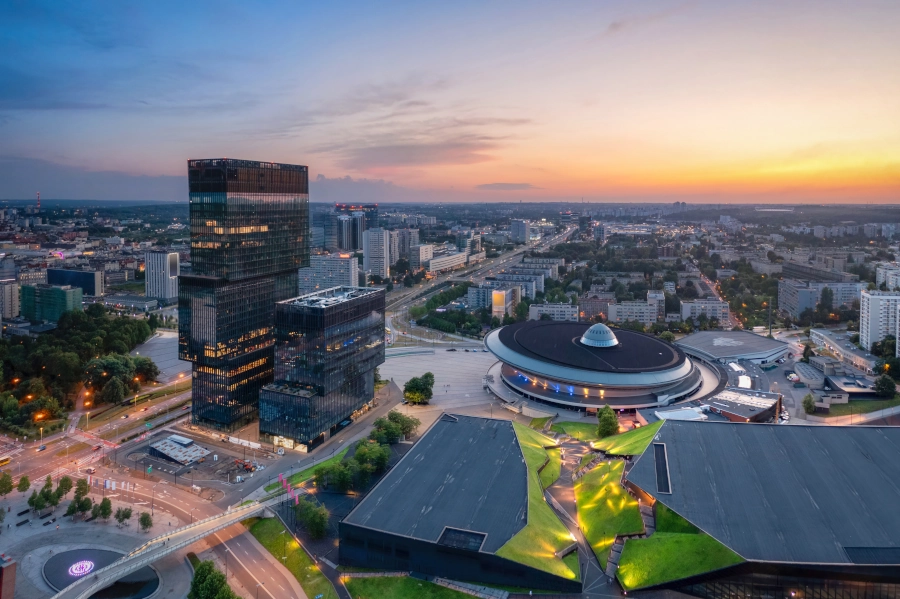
x=505, y=186
x=418, y=154
x=620, y=25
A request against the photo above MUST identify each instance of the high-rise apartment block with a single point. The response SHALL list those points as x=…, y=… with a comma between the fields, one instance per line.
x=519, y=231
x=327, y=271
x=377, y=252
x=369, y=212
x=877, y=316
x=9, y=298
x=407, y=238
x=49, y=302
x=419, y=256
x=328, y=345
x=566, y=312
x=161, y=272
x=249, y=236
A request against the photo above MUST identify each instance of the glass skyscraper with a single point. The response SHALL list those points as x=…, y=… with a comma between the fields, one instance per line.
x=328, y=344
x=249, y=234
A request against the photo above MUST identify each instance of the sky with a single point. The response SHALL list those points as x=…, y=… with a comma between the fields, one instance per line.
x=606, y=100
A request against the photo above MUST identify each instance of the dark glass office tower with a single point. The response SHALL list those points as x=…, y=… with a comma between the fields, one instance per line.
x=249, y=235
x=328, y=345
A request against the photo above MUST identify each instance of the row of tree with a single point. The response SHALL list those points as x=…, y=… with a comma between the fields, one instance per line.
x=395, y=426
x=369, y=459
x=209, y=583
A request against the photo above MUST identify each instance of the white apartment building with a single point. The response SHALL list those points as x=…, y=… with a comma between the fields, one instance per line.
x=519, y=231
x=538, y=280
x=407, y=238
x=9, y=298
x=419, y=255
x=327, y=271
x=712, y=308
x=877, y=316
x=394, y=246
x=447, y=262
x=161, y=271
x=646, y=313
x=377, y=252
x=528, y=288
x=555, y=311
x=887, y=273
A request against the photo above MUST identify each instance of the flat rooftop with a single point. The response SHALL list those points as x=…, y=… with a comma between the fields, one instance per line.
x=559, y=343
x=465, y=473
x=774, y=493
x=331, y=297
x=173, y=447
x=729, y=344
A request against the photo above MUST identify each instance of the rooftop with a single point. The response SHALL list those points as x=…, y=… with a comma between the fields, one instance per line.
x=561, y=343
x=465, y=473
x=174, y=448
x=331, y=297
x=801, y=494
x=727, y=344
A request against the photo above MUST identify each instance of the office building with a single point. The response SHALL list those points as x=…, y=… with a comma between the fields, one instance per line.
x=249, y=226
x=377, y=252
x=447, y=262
x=419, y=256
x=519, y=231
x=407, y=238
x=328, y=345
x=90, y=281
x=328, y=270
x=504, y=300
x=36, y=276
x=712, y=308
x=161, y=272
x=317, y=237
x=49, y=302
x=877, y=316
x=369, y=212
x=567, y=312
x=9, y=299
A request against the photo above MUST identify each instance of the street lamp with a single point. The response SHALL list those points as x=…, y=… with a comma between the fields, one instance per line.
x=257, y=588
x=192, y=514
x=42, y=435
x=284, y=545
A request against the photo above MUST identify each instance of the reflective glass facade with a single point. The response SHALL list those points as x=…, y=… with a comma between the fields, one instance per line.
x=249, y=235
x=328, y=345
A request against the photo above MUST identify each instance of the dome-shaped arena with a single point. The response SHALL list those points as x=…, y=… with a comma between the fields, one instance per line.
x=580, y=366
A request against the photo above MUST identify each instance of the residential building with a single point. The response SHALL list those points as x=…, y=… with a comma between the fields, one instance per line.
x=393, y=246
x=9, y=299
x=538, y=280
x=161, y=276
x=877, y=316
x=647, y=312
x=658, y=299
x=533, y=269
x=519, y=231
x=90, y=281
x=446, y=262
x=407, y=238
x=809, y=272
x=796, y=296
x=504, y=300
x=712, y=308
x=328, y=270
x=49, y=302
x=377, y=252
x=249, y=237
x=765, y=267
x=595, y=303
x=419, y=256
x=887, y=274
x=554, y=311
x=528, y=286
x=327, y=346
x=369, y=212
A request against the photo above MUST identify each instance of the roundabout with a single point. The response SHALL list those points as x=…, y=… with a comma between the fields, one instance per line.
x=582, y=367
x=66, y=567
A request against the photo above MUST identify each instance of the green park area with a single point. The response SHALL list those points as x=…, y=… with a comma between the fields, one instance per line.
x=605, y=509
x=306, y=474
x=583, y=431
x=633, y=442
x=862, y=406
x=539, y=423
x=268, y=532
x=398, y=587
x=550, y=472
x=544, y=535
x=676, y=550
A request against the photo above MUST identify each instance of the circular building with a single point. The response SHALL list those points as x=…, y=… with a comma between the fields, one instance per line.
x=579, y=366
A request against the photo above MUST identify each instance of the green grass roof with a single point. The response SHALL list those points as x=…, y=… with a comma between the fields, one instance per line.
x=633, y=442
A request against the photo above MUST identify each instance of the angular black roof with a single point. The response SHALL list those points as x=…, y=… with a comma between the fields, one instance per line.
x=466, y=473
x=782, y=493
x=559, y=343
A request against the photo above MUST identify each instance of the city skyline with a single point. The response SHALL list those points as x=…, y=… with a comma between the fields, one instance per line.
x=661, y=101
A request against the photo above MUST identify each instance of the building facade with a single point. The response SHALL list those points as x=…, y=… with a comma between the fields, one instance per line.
x=328, y=345
x=377, y=252
x=90, y=281
x=369, y=212
x=419, y=256
x=710, y=307
x=9, y=299
x=328, y=270
x=877, y=316
x=519, y=230
x=249, y=227
x=567, y=312
x=49, y=302
x=446, y=262
x=161, y=272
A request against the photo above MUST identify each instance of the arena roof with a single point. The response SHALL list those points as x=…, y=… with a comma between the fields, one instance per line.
x=772, y=493
x=559, y=343
x=465, y=473
x=731, y=344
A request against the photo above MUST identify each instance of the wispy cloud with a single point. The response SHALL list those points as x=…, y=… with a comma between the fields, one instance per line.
x=505, y=186
x=417, y=154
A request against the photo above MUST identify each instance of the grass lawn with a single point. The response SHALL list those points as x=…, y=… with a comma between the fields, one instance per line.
x=586, y=459
x=551, y=471
x=298, y=477
x=73, y=449
x=268, y=532
x=863, y=406
x=633, y=442
x=669, y=521
x=192, y=557
x=605, y=509
x=544, y=534
x=398, y=587
x=112, y=412
x=583, y=431
x=538, y=423
x=667, y=556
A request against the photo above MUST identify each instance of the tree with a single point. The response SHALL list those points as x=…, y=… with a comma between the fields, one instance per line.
x=84, y=506
x=145, y=369
x=807, y=354
x=113, y=392
x=145, y=521
x=64, y=486
x=73, y=508
x=408, y=424
x=312, y=517
x=95, y=511
x=40, y=502
x=827, y=299
x=105, y=508
x=6, y=484
x=82, y=488
x=809, y=403
x=608, y=424
x=24, y=484
x=667, y=336
x=885, y=386
x=123, y=514
x=2, y=517
x=201, y=573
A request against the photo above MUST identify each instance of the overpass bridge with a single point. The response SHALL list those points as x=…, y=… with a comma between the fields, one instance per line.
x=160, y=547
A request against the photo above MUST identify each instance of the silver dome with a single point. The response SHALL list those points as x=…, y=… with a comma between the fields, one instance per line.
x=599, y=335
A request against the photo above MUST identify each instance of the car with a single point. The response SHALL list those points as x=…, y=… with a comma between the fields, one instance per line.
x=143, y=409
x=484, y=350
x=452, y=349
x=90, y=470
x=185, y=407
x=96, y=448
x=465, y=350
x=42, y=448
x=124, y=416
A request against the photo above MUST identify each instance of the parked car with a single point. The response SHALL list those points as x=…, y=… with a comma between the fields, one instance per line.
x=96, y=448
x=90, y=470
x=42, y=448
x=452, y=349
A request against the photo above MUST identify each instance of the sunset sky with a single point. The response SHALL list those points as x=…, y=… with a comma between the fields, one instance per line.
x=719, y=101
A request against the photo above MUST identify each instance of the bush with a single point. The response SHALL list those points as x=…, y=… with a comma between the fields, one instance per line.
x=885, y=386
x=608, y=424
x=145, y=521
x=314, y=518
x=809, y=403
x=419, y=390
